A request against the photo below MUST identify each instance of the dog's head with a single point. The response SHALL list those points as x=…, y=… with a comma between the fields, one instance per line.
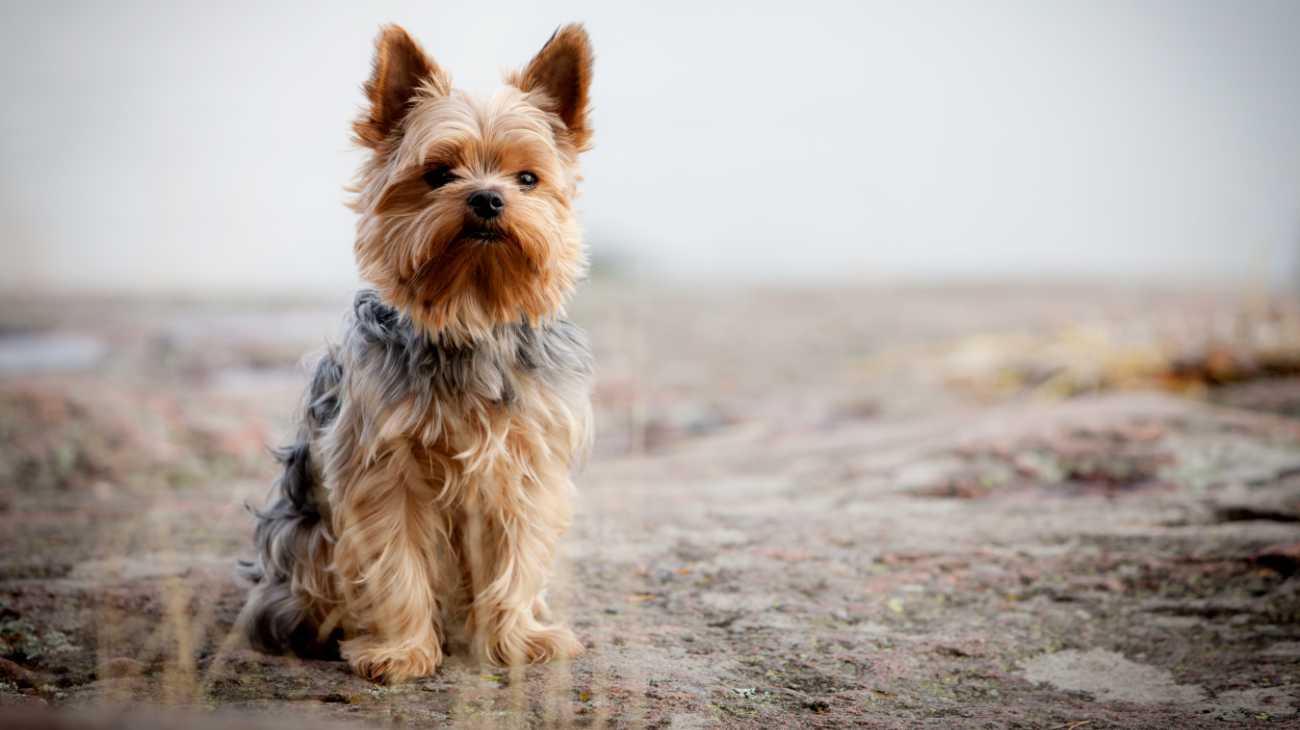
x=466, y=204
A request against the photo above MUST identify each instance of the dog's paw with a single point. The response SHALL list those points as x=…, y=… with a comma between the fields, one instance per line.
x=533, y=645
x=391, y=663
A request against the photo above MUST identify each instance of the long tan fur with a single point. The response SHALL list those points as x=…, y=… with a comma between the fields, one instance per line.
x=441, y=502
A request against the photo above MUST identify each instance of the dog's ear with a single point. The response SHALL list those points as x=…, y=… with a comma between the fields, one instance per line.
x=562, y=71
x=401, y=69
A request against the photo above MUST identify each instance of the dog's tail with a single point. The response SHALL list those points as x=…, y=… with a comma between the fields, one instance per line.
x=292, y=604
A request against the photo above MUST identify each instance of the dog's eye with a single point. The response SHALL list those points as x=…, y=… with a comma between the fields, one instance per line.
x=528, y=179
x=439, y=176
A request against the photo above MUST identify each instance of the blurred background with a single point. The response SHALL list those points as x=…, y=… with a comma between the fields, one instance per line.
x=948, y=357
x=180, y=147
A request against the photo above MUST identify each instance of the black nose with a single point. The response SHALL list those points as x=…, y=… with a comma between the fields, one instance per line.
x=486, y=203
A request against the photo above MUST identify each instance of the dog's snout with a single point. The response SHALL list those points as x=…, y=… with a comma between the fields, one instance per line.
x=486, y=204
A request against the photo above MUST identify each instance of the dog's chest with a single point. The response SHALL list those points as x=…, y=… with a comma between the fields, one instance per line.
x=519, y=397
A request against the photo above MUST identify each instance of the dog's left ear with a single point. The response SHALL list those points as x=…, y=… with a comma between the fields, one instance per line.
x=562, y=70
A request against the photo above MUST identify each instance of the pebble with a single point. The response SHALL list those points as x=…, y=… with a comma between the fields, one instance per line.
x=19, y=675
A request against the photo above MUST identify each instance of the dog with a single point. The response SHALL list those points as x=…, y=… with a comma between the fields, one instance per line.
x=431, y=476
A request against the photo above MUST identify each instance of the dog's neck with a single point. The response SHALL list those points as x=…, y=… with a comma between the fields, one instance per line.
x=411, y=360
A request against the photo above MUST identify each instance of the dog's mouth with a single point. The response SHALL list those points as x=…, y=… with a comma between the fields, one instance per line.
x=480, y=233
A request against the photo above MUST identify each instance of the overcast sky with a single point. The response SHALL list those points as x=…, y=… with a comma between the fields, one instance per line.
x=205, y=146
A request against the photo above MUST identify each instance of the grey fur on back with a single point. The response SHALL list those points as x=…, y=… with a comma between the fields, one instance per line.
x=401, y=363
x=272, y=617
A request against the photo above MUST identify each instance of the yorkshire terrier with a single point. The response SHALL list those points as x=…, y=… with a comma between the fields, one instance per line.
x=430, y=479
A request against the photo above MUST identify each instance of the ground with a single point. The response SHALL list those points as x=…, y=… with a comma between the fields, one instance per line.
x=996, y=506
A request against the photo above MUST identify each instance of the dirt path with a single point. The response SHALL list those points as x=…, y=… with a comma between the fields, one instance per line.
x=804, y=510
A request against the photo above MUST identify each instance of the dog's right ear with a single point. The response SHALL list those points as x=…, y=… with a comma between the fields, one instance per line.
x=401, y=70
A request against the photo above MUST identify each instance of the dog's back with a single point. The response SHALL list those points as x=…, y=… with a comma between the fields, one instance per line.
x=288, y=606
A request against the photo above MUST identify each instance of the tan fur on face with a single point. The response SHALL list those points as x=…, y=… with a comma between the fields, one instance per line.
x=445, y=505
x=409, y=239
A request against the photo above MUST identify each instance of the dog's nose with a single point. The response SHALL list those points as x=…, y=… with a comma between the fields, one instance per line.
x=486, y=203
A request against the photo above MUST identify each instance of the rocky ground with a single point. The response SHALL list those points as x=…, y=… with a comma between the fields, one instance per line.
x=1064, y=507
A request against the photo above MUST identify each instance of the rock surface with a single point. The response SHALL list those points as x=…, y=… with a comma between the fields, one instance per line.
x=818, y=508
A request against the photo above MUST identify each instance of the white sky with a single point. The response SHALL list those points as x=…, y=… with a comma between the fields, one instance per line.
x=186, y=146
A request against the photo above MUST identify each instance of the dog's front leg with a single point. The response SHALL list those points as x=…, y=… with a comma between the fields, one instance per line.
x=507, y=545
x=391, y=538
